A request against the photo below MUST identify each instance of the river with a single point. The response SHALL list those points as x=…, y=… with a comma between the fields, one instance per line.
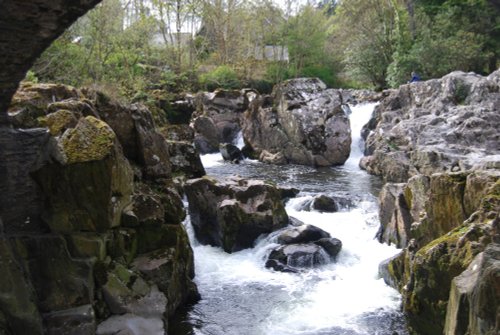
x=241, y=297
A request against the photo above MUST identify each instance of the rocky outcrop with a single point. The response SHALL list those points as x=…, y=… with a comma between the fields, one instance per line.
x=233, y=213
x=303, y=122
x=426, y=208
x=474, y=303
x=185, y=159
x=302, y=247
x=217, y=117
x=446, y=124
x=102, y=233
x=444, y=221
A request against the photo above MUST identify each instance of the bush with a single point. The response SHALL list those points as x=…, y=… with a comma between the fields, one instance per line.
x=222, y=77
x=322, y=72
x=31, y=77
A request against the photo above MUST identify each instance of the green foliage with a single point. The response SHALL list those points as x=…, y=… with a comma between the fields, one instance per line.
x=366, y=32
x=353, y=43
x=222, y=77
x=453, y=26
x=322, y=72
x=31, y=77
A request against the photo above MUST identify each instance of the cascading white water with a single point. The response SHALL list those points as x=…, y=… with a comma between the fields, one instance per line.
x=241, y=297
x=359, y=117
x=239, y=141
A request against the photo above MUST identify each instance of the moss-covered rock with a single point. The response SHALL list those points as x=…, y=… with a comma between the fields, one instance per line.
x=91, y=190
x=172, y=269
x=59, y=121
x=122, y=245
x=127, y=292
x=93, y=219
x=87, y=245
x=424, y=271
x=433, y=268
x=443, y=207
x=91, y=140
x=151, y=238
x=32, y=100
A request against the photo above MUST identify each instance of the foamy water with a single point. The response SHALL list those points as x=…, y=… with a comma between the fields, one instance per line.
x=241, y=297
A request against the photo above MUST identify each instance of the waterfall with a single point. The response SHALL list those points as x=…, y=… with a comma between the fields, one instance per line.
x=360, y=115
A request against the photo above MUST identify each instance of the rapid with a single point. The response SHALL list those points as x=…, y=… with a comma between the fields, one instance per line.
x=241, y=297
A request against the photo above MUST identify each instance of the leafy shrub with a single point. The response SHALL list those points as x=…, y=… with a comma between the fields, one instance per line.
x=222, y=77
x=31, y=77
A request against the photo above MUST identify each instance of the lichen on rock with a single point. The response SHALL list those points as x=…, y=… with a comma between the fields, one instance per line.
x=90, y=140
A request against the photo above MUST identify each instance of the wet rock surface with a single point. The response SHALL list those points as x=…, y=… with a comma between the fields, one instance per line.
x=233, y=213
x=302, y=247
x=231, y=153
x=447, y=124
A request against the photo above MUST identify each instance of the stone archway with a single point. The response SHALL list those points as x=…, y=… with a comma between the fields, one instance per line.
x=27, y=28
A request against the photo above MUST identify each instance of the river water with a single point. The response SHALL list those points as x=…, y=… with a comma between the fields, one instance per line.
x=241, y=297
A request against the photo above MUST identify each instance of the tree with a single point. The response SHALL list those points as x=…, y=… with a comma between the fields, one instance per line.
x=174, y=16
x=365, y=30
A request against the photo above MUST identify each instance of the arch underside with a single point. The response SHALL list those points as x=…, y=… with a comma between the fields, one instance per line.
x=27, y=28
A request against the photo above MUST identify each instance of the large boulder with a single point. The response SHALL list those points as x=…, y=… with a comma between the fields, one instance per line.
x=206, y=138
x=232, y=213
x=218, y=117
x=125, y=291
x=323, y=203
x=302, y=246
x=303, y=121
x=92, y=157
x=185, y=159
x=287, y=258
x=394, y=216
x=438, y=125
x=301, y=234
x=172, y=270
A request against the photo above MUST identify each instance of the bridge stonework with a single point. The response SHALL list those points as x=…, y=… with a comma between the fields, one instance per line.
x=27, y=28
